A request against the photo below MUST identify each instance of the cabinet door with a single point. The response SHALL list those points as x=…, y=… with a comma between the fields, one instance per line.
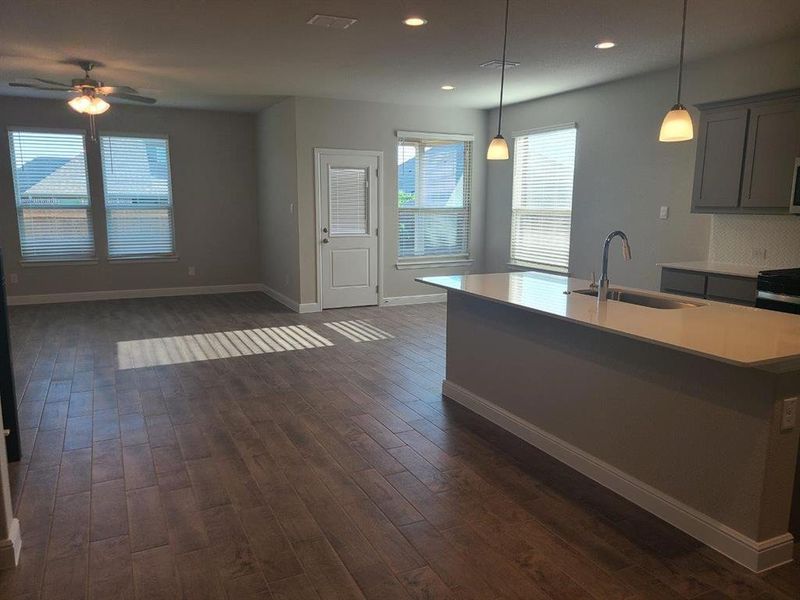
x=720, y=155
x=773, y=144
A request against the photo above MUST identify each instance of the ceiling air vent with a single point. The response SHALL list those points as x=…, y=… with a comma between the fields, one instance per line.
x=331, y=22
x=498, y=64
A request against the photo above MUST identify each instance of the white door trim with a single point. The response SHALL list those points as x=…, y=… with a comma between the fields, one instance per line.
x=318, y=154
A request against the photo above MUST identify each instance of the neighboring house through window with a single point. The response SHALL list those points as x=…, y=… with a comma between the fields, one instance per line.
x=434, y=188
x=51, y=192
x=541, y=216
x=138, y=196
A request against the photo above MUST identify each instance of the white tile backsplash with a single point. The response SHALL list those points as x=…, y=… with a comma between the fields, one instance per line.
x=761, y=240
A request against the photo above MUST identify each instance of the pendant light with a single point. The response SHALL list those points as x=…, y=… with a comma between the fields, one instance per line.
x=677, y=124
x=498, y=148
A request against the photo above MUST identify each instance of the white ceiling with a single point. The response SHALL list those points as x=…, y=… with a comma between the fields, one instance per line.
x=242, y=54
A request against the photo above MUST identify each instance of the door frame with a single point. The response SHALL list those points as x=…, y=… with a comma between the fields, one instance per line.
x=318, y=154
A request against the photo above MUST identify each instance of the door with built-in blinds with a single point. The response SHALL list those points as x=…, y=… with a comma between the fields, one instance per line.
x=348, y=234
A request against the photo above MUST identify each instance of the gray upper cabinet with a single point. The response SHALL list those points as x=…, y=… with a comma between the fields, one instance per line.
x=746, y=150
x=773, y=144
x=720, y=155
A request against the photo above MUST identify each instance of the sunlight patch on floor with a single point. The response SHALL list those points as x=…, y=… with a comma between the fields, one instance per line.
x=152, y=352
x=359, y=331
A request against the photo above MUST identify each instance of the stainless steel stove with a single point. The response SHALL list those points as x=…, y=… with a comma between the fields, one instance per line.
x=779, y=290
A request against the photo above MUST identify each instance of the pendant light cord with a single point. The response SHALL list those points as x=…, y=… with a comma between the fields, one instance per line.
x=683, y=42
x=503, y=72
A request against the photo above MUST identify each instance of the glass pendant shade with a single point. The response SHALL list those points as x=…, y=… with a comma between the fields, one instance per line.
x=80, y=103
x=677, y=125
x=89, y=105
x=97, y=106
x=498, y=149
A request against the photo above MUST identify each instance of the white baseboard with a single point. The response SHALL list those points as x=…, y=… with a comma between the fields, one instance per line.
x=289, y=302
x=145, y=293
x=309, y=307
x=756, y=556
x=420, y=299
x=10, y=548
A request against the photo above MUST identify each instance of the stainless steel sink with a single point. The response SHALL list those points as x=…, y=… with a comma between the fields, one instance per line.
x=643, y=299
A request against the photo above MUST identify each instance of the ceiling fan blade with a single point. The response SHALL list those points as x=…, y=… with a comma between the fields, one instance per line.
x=50, y=82
x=133, y=97
x=38, y=86
x=116, y=89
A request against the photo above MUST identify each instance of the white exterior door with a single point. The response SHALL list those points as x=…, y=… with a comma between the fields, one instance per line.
x=348, y=229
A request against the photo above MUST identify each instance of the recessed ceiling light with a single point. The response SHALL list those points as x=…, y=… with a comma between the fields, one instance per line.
x=415, y=21
x=448, y=88
x=604, y=45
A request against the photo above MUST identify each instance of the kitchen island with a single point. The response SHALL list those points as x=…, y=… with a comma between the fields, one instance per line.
x=680, y=410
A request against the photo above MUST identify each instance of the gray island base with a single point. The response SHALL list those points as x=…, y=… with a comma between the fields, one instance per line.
x=685, y=425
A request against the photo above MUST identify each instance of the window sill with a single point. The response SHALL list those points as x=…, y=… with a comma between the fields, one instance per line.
x=522, y=266
x=122, y=260
x=433, y=264
x=59, y=263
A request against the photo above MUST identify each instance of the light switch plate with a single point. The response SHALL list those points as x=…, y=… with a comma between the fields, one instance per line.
x=664, y=212
x=789, y=416
x=13, y=278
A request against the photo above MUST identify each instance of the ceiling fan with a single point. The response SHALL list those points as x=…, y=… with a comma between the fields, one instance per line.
x=88, y=93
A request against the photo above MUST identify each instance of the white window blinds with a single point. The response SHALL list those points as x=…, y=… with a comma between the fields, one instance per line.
x=52, y=195
x=544, y=168
x=349, y=201
x=138, y=196
x=434, y=185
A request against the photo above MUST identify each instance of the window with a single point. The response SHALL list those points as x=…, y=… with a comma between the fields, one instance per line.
x=138, y=196
x=52, y=195
x=541, y=215
x=434, y=185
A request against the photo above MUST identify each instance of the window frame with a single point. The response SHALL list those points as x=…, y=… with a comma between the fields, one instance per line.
x=141, y=258
x=437, y=260
x=90, y=216
x=516, y=263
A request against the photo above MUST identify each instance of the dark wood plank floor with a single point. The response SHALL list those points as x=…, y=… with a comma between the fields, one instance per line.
x=223, y=447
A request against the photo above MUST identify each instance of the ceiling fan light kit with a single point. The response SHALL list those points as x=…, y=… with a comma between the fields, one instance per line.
x=90, y=92
x=90, y=105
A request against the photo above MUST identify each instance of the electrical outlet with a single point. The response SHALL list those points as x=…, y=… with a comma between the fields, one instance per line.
x=759, y=253
x=13, y=278
x=664, y=212
x=789, y=417
x=192, y=271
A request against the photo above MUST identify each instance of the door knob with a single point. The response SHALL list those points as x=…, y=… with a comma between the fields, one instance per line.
x=325, y=240
x=324, y=230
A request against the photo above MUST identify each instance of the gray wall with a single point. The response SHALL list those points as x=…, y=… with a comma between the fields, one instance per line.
x=277, y=199
x=623, y=174
x=214, y=192
x=323, y=123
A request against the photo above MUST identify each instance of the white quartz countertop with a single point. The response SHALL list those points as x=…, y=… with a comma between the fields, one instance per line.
x=740, y=335
x=719, y=268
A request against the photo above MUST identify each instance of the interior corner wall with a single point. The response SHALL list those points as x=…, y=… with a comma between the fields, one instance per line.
x=356, y=125
x=623, y=175
x=277, y=199
x=213, y=167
